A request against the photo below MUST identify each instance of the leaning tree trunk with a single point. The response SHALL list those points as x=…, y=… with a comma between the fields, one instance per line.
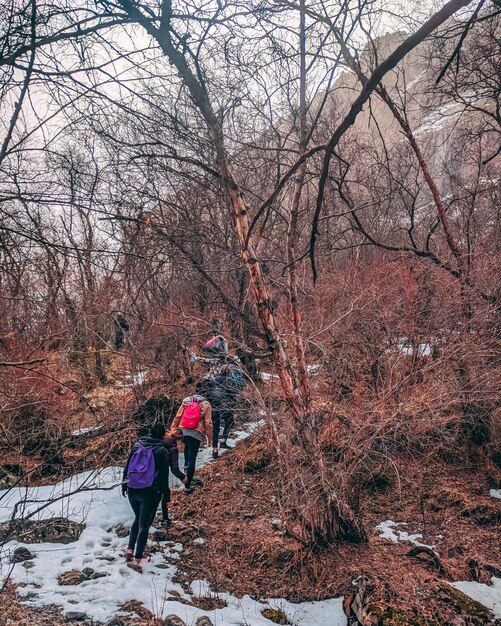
x=324, y=527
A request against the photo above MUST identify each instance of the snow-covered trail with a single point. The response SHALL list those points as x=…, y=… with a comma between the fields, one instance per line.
x=101, y=508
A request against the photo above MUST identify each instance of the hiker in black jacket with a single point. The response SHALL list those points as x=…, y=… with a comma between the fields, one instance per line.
x=144, y=501
x=171, y=447
x=222, y=392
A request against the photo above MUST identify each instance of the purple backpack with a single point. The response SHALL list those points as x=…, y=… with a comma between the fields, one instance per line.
x=141, y=471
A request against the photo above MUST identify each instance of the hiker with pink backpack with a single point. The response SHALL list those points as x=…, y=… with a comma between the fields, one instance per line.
x=145, y=481
x=216, y=351
x=193, y=422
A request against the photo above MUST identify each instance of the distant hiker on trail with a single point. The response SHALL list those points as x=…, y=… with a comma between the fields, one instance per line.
x=171, y=447
x=216, y=350
x=121, y=327
x=193, y=422
x=145, y=481
x=222, y=391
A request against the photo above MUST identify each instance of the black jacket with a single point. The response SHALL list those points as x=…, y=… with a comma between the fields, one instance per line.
x=161, y=456
x=171, y=447
x=221, y=391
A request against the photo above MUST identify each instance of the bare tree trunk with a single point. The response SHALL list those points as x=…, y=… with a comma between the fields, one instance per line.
x=332, y=518
x=304, y=383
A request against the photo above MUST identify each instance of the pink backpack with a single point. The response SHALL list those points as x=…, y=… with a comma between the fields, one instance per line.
x=215, y=344
x=191, y=415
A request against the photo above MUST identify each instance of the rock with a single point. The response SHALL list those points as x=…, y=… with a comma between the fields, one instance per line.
x=21, y=554
x=134, y=606
x=28, y=564
x=275, y=615
x=31, y=595
x=97, y=575
x=115, y=621
x=203, y=621
x=54, y=530
x=276, y=524
x=88, y=571
x=73, y=577
x=76, y=616
x=160, y=535
x=173, y=620
x=121, y=531
x=137, y=568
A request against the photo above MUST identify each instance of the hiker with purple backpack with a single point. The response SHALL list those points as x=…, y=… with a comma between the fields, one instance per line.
x=171, y=447
x=145, y=481
x=193, y=423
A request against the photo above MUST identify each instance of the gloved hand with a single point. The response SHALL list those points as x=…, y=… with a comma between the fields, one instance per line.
x=124, y=490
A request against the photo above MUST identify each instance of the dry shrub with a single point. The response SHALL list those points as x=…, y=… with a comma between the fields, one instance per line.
x=255, y=457
x=36, y=414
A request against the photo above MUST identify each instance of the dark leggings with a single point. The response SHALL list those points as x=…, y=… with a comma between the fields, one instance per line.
x=219, y=415
x=191, y=447
x=144, y=503
x=163, y=506
x=227, y=417
x=216, y=425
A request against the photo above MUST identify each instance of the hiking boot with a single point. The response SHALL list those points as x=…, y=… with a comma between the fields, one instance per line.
x=188, y=490
x=129, y=554
x=225, y=446
x=142, y=560
x=215, y=453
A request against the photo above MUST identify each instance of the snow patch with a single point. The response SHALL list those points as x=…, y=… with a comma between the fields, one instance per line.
x=489, y=596
x=388, y=529
x=266, y=376
x=405, y=346
x=133, y=380
x=440, y=118
x=94, y=498
x=84, y=431
x=495, y=493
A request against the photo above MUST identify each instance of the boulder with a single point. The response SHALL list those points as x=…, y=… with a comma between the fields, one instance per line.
x=21, y=554
x=121, y=531
x=203, y=621
x=76, y=616
x=160, y=535
x=73, y=577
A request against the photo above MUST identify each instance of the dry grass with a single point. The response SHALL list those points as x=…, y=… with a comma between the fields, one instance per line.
x=244, y=554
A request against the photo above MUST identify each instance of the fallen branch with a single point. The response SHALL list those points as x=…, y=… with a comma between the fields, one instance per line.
x=21, y=363
x=437, y=563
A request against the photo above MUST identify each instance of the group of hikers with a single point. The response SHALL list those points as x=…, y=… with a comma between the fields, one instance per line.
x=199, y=419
